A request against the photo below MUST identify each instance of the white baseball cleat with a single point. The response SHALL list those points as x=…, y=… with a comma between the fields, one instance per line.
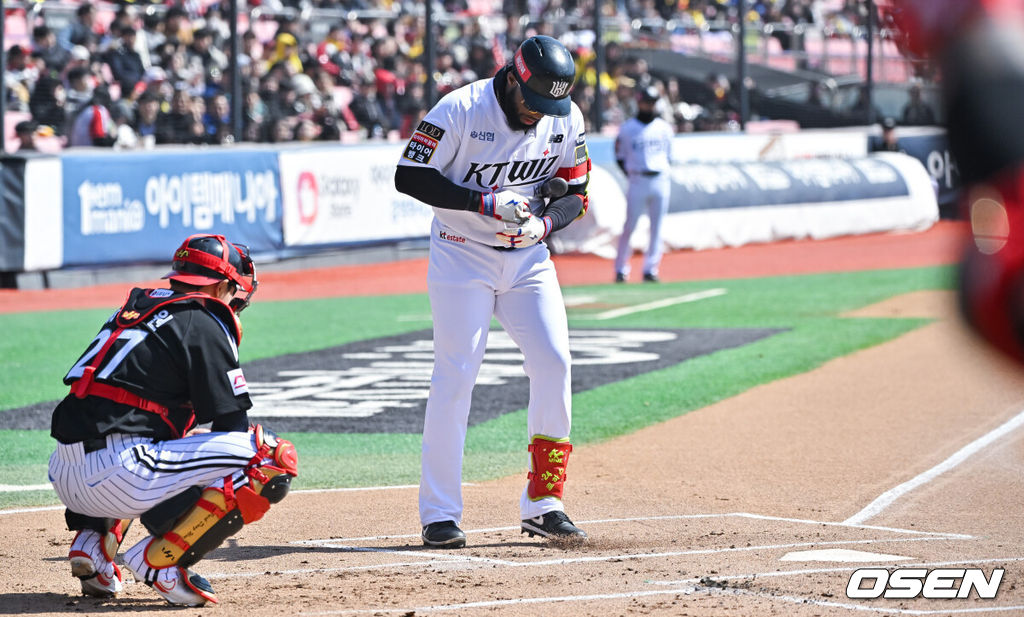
x=181, y=587
x=100, y=577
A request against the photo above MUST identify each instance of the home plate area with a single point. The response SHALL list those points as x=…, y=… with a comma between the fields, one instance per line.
x=693, y=560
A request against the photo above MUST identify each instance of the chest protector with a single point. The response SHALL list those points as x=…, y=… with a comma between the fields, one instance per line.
x=140, y=306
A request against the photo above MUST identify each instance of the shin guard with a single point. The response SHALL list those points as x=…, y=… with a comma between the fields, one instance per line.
x=549, y=459
x=222, y=511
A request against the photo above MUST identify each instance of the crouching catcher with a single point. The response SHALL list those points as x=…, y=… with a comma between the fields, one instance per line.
x=128, y=447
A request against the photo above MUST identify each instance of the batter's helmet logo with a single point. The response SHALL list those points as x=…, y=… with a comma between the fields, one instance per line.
x=129, y=315
x=181, y=254
x=559, y=88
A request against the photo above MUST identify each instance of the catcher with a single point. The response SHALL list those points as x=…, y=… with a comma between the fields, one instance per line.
x=127, y=442
x=978, y=46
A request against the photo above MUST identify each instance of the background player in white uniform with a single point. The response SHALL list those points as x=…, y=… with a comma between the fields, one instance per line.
x=127, y=448
x=643, y=149
x=479, y=157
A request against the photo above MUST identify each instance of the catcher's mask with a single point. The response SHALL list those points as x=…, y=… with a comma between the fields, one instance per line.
x=206, y=259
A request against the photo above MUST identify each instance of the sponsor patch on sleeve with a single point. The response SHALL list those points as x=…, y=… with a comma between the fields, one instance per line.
x=580, y=156
x=423, y=142
x=237, y=381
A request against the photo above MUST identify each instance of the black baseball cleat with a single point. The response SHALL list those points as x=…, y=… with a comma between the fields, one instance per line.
x=554, y=525
x=620, y=277
x=650, y=278
x=445, y=534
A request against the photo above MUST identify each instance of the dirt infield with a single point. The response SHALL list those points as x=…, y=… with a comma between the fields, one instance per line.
x=712, y=513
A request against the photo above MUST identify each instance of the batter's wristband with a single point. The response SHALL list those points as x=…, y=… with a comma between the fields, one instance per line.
x=487, y=204
x=547, y=226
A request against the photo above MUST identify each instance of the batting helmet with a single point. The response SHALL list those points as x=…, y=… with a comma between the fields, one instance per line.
x=649, y=94
x=205, y=259
x=545, y=72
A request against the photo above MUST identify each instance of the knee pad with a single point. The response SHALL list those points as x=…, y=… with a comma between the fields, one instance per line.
x=220, y=512
x=548, y=459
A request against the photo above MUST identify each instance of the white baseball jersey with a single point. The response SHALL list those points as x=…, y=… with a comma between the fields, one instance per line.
x=466, y=138
x=645, y=147
x=645, y=150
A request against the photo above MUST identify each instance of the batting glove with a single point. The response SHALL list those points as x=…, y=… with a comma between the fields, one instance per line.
x=507, y=206
x=528, y=233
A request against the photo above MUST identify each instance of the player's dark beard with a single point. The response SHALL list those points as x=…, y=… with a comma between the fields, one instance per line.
x=506, y=100
x=645, y=116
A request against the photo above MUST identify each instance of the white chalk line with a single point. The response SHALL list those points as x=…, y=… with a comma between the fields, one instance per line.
x=666, y=517
x=447, y=561
x=462, y=560
x=887, y=498
x=17, y=488
x=657, y=304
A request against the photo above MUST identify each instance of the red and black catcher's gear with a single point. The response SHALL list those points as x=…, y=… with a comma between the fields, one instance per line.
x=206, y=259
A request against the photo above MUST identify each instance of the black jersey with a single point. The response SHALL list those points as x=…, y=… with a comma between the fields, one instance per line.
x=181, y=352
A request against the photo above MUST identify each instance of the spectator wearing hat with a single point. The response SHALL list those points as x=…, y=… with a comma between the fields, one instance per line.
x=26, y=133
x=916, y=112
x=44, y=41
x=126, y=65
x=889, y=141
x=203, y=56
x=79, y=57
x=286, y=53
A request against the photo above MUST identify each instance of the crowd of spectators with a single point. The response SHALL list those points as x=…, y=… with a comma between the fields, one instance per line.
x=161, y=74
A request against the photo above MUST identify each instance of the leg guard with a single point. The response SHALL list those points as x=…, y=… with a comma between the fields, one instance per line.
x=220, y=512
x=548, y=461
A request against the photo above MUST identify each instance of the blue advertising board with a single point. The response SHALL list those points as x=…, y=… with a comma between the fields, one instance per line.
x=709, y=186
x=933, y=152
x=139, y=207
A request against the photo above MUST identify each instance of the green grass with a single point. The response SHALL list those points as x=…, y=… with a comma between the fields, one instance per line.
x=42, y=346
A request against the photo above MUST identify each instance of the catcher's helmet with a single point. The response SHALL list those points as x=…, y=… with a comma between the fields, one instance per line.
x=545, y=72
x=205, y=259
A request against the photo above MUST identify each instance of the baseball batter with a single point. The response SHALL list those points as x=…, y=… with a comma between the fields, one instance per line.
x=643, y=150
x=479, y=157
x=127, y=445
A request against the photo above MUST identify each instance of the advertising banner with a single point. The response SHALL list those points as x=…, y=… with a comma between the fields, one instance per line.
x=933, y=152
x=739, y=185
x=138, y=207
x=336, y=196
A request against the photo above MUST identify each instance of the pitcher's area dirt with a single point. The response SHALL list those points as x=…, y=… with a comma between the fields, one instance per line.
x=712, y=513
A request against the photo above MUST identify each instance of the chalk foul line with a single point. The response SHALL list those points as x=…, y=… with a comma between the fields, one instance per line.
x=887, y=498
